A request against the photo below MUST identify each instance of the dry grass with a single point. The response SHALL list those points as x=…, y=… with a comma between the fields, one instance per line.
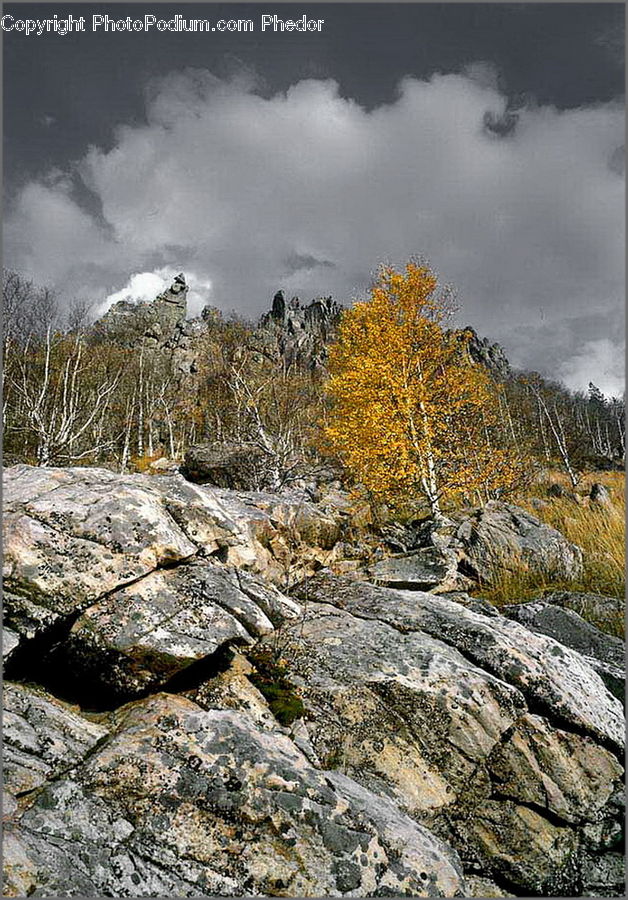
x=598, y=531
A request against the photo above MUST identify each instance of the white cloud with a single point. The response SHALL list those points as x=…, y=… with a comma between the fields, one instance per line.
x=601, y=357
x=238, y=188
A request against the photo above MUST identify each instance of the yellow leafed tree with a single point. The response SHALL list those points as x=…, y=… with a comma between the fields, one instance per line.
x=410, y=413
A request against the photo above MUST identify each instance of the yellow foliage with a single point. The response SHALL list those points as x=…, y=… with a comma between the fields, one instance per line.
x=410, y=413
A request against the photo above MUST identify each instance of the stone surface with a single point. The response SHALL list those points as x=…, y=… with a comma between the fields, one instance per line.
x=404, y=713
x=431, y=568
x=139, y=637
x=10, y=640
x=599, y=495
x=604, y=652
x=398, y=696
x=607, y=613
x=42, y=737
x=427, y=732
x=501, y=536
x=522, y=846
x=186, y=802
x=547, y=673
x=73, y=536
x=570, y=776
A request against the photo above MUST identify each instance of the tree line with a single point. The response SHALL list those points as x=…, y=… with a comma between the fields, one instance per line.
x=402, y=409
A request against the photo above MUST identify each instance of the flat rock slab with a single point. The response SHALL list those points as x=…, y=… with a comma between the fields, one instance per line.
x=426, y=569
x=605, y=653
x=547, y=673
x=185, y=802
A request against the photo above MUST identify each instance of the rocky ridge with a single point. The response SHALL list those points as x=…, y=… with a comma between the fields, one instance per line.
x=437, y=748
x=291, y=332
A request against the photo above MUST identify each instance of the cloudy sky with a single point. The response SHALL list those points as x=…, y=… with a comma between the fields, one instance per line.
x=487, y=139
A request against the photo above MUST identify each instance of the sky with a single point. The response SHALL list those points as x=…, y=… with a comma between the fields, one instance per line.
x=484, y=139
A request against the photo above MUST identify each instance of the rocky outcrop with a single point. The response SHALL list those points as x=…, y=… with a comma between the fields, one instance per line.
x=492, y=356
x=73, y=536
x=299, y=334
x=423, y=700
x=158, y=327
x=129, y=323
x=180, y=801
x=191, y=711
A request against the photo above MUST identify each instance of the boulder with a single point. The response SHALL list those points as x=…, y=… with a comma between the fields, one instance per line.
x=604, y=652
x=42, y=738
x=547, y=673
x=73, y=536
x=500, y=536
x=242, y=466
x=606, y=613
x=599, y=495
x=429, y=702
x=184, y=802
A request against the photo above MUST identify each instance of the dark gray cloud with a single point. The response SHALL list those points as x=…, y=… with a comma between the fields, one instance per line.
x=248, y=185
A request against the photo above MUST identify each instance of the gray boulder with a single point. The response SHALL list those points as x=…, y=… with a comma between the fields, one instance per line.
x=606, y=613
x=599, y=495
x=549, y=674
x=73, y=536
x=500, y=536
x=229, y=465
x=42, y=738
x=431, y=568
x=139, y=638
x=429, y=702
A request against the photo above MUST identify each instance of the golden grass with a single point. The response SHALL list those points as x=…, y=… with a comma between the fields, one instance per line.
x=598, y=531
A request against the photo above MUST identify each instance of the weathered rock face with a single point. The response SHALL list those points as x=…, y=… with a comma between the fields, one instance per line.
x=181, y=801
x=429, y=568
x=42, y=738
x=490, y=355
x=73, y=536
x=606, y=612
x=299, y=334
x=153, y=323
x=604, y=652
x=515, y=792
x=432, y=735
x=138, y=638
x=502, y=536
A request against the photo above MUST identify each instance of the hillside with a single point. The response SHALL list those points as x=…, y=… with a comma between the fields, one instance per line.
x=231, y=669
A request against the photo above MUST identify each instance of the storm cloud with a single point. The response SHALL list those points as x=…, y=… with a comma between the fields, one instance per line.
x=520, y=210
